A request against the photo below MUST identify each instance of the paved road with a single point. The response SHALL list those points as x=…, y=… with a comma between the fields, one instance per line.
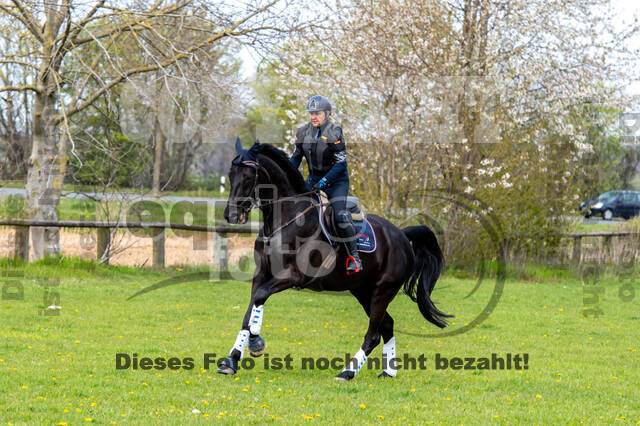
x=21, y=192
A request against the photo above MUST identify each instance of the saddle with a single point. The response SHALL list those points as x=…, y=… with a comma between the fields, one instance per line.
x=365, y=236
x=352, y=206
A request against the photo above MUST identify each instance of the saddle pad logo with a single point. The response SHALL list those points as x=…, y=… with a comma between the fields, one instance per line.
x=365, y=236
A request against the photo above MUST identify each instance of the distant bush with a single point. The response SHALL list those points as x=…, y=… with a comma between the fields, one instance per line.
x=195, y=181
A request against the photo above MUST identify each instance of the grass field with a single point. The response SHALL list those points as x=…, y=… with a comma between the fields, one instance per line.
x=89, y=189
x=13, y=207
x=61, y=369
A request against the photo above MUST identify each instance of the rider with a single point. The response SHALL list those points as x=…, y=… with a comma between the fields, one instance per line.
x=321, y=142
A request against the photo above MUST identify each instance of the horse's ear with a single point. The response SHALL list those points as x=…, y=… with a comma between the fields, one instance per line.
x=239, y=149
x=253, y=151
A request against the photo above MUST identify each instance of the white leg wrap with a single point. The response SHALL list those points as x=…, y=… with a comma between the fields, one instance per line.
x=389, y=353
x=241, y=342
x=356, y=362
x=255, y=322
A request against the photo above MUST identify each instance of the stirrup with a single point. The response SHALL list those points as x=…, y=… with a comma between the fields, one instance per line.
x=358, y=268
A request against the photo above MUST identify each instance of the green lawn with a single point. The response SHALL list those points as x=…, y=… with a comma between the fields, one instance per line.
x=62, y=368
x=87, y=189
x=160, y=211
x=617, y=225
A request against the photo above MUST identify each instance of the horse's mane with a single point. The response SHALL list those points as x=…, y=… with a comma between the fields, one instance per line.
x=282, y=160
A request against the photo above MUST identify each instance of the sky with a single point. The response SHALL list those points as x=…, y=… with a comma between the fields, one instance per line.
x=628, y=11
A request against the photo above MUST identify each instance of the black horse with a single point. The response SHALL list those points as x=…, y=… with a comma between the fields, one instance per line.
x=291, y=251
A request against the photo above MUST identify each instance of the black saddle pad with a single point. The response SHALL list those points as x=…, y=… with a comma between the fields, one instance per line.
x=365, y=235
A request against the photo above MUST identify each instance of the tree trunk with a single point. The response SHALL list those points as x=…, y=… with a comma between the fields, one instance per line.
x=158, y=137
x=46, y=171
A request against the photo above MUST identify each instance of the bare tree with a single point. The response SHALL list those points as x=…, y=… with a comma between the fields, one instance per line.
x=125, y=41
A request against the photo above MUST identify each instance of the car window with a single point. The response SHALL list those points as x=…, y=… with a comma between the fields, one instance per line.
x=609, y=196
x=628, y=197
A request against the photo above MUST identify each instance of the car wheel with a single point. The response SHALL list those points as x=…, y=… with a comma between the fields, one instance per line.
x=607, y=214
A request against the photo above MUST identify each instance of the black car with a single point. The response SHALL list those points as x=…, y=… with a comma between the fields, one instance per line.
x=612, y=204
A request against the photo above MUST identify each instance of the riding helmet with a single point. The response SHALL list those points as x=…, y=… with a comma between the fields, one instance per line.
x=318, y=103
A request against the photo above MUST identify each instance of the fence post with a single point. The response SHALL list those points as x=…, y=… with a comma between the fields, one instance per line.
x=576, y=257
x=158, y=249
x=224, y=252
x=221, y=255
x=606, y=248
x=104, y=241
x=21, y=242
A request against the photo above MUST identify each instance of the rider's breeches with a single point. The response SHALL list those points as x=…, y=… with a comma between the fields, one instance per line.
x=337, y=194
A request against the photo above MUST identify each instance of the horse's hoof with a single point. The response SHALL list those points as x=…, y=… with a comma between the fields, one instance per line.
x=256, y=346
x=384, y=374
x=346, y=375
x=228, y=366
x=226, y=370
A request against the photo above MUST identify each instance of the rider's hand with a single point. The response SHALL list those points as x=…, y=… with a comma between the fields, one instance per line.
x=321, y=184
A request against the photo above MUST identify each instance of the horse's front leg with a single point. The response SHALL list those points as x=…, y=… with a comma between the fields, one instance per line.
x=249, y=335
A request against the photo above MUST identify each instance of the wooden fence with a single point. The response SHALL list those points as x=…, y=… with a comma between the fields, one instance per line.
x=21, y=230
x=21, y=243
x=577, y=248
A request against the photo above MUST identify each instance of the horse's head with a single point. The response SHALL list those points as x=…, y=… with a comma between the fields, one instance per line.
x=243, y=179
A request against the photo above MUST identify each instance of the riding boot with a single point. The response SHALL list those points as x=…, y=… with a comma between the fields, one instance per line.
x=348, y=233
x=354, y=264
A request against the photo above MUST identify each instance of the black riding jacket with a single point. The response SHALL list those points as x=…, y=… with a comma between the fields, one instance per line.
x=324, y=149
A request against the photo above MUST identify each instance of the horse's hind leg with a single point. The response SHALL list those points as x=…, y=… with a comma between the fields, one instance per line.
x=389, y=366
x=378, y=300
x=389, y=348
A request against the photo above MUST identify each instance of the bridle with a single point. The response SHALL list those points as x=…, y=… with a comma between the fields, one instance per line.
x=255, y=202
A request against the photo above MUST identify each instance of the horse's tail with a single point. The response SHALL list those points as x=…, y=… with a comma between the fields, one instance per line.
x=427, y=268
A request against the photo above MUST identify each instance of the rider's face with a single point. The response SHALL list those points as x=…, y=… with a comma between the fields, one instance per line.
x=317, y=118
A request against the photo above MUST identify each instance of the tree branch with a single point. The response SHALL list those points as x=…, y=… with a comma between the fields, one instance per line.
x=28, y=20
x=18, y=89
x=127, y=26
x=178, y=57
x=91, y=73
x=65, y=11
x=16, y=62
x=86, y=19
